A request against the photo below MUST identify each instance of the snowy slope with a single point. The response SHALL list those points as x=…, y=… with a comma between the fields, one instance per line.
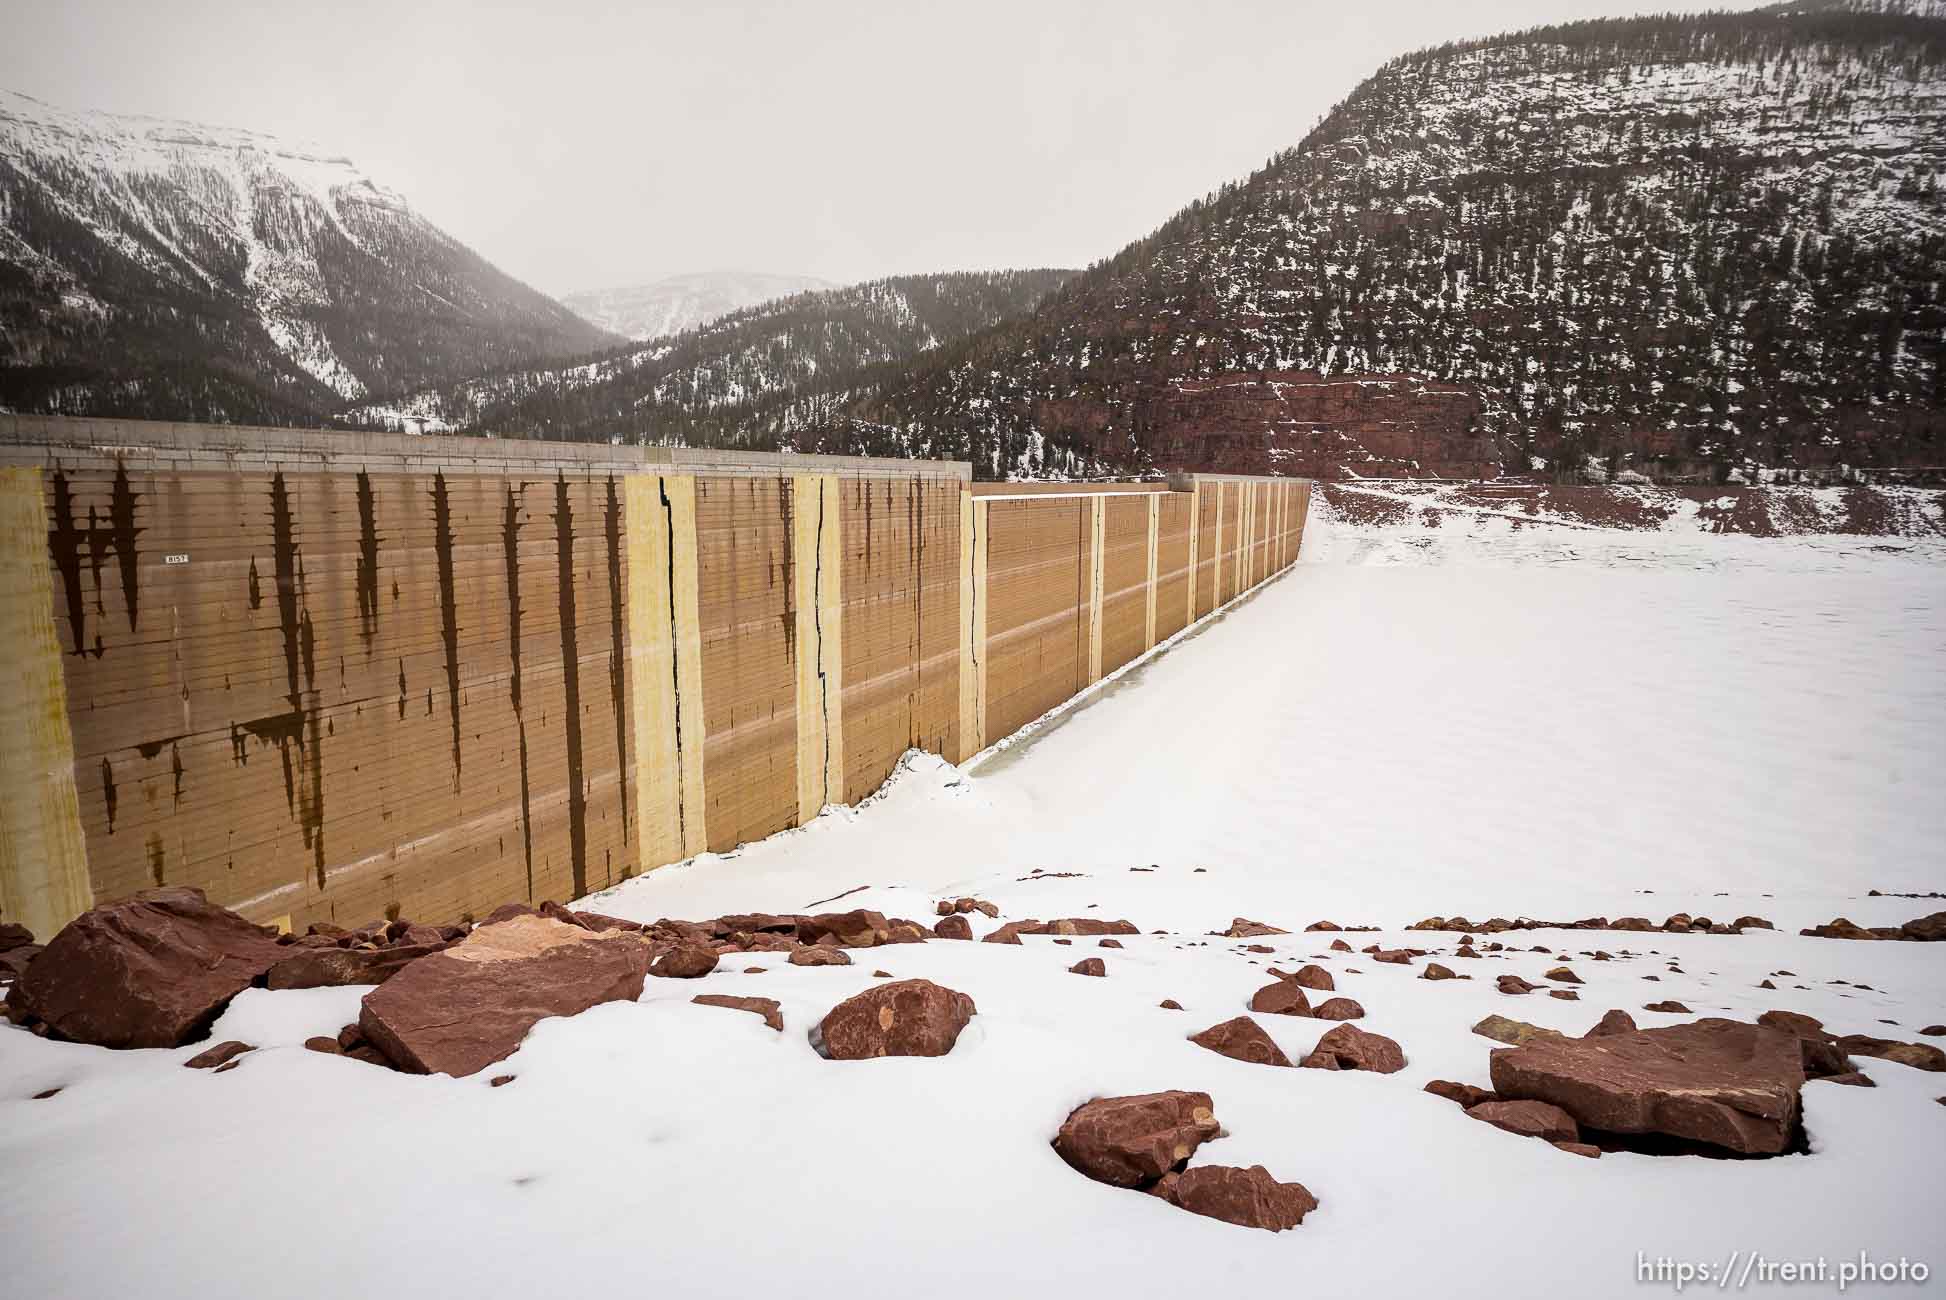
x=1678, y=243
x=151, y=265
x=674, y=303
x=1738, y=725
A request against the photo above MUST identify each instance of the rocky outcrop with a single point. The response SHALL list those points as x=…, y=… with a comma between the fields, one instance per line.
x=1722, y=1082
x=461, y=1010
x=905, y=1018
x=153, y=970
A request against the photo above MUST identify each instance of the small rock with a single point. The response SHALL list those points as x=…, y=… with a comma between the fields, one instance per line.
x=1434, y=971
x=1513, y=1032
x=1613, y=1022
x=1089, y=966
x=1465, y=1094
x=1250, y=1198
x=1131, y=1141
x=1337, y=1009
x=327, y=1045
x=1529, y=1119
x=1243, y=928
x=685, y=961
x=954, y=926
x=767, y=1008
x=1170, y=1004
x=1354, y=1049
x=1564, y=995
x=1669, y=1006
x=1339, y=945
x=1316, y=978
x=500, y=1080
x=1580, y=1149
x=1109, y=943
x=217, y=1055
x=1515, y=984
x=1562, y=975
x=1281, y=998
x=1241, y=1039
x=816, y=956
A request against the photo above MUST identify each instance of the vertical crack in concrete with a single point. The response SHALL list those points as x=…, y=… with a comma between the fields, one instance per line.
x=817, y=634
x=442, y=517
x=510, y=550
x=675, y=659
x=571, y=684
x=617, y=659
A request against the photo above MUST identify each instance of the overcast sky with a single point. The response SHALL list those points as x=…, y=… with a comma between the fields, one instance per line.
x=603, y=143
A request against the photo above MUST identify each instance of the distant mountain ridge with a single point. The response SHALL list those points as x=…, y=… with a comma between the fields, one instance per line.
x=752, y=380
x=671, y=304
x=1684, y=246
x=159, y=268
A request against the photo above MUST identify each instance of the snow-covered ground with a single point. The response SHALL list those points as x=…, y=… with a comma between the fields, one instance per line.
x=1412, y=722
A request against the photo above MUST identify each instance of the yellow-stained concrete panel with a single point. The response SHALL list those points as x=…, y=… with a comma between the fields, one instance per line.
x=665, y=672
x=1096, y=548
x=43, y=854
x=1148, y=614
x=817, y=571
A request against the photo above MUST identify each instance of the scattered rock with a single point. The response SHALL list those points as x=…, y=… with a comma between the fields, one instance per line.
x=767, y=1008
x=1109, y=943
x=1513, y=1032
x=1465, y=1094
x=1008, y=933
x=1564, y=995
x=1580, y=1149
x=1242, y=928
x=1613, y=1022
x=1536, y=1119
x=1170, y=1004
x=906, y=1018
x=1089, y=927
x=1337, y=1009
x=1339, y=945
x=1393, y=957
x=1920, y=1056
x=500, y=1080
x=1089, y=966
x=1133, y=1141
x=1668, y=1006
x=1850, y=1078
x=1515, y=984
x=1241, y=1039
x=322, y=1043
x=685, y=961
x=953, y=927
x=1925, y=929
x=318, y=968
x=1350, y=1048
x=1721, y=1082
x=461, y=1010
x=820, y=957
x=1250, y=1198
x=14, y=936
x=1281, y=998
x=153, y=970
x=1562, y=975
x=1316, y=978
x=1434, y=971
x=1934, y=1031
x=217, y=1055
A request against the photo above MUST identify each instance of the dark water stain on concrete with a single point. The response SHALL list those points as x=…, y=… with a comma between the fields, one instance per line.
x=510, y=551
x=64, y=543
x=108, y=792
x=442, y=518
x=617, y=657
x=786, y=507
x=571, y=684
x=156, y=855
x=175, y=774
x=368, y=540
x=256, y=586
x=122, y=533
x=401, y=690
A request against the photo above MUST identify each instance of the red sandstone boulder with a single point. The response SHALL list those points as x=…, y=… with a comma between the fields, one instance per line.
x=1668, y=1006
x=1722, y=1082
x=1133, y=1141
x=1929, y=929
x=1281, y=998
x=1613, y=1022
x=1243, y=928
x=1337, y=1009
x=1515, y=984
x=1562, y=975
x=1315, y=978
x=461, y=1010
x=13, y=962
x=1536, y=1119
x=1393, y=956
x=1241, y=1039
x=954, y=926
x=1350, y=1048
x=820, y=957
x=1089, y=927
x=1434, y=971
x=319, y=968
x=767, y=1008
x=1920, y=1056
x=1250, y=1198
x=14, y=936
x=1089, y=966
x=508, y=911
x=685, y=961
x=905, y=1018
x=149, y=971
x=1011, y=932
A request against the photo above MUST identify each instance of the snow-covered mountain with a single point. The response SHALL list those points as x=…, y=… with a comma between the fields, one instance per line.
x=751, y=379
x=161, y=268
x=674, y=303
x=1677, y=245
